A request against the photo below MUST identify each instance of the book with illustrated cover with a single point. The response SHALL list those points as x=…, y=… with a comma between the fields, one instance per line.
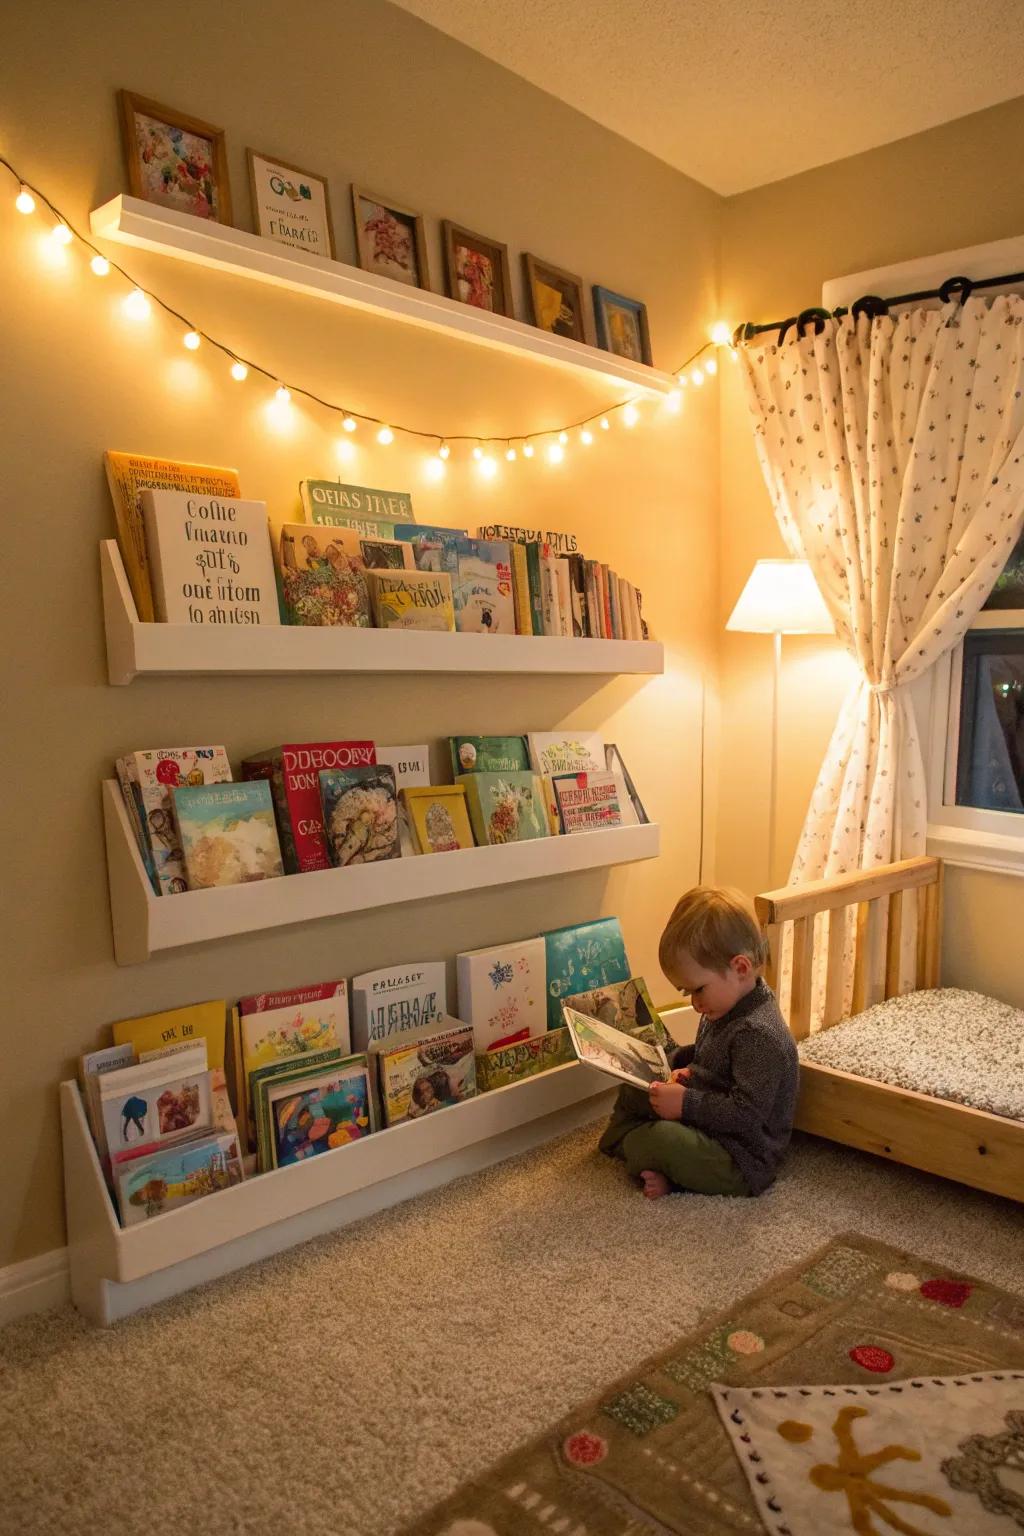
x=581, y=958
x=610, y=1050
x=536, y=584
x=429, y=1074
x=386, y=555
x=433, y=548
x=228, y=833
x=614, y=764
x=199, y=1023
x=507, y=1064
x=177, y=1175
x=371, y=512
x=293, y=773
x=550, y=597
x=502, y=994
x=557, y=752
x=128, y=475
x=157, y=1101
x=505, y=807
x=323, y=576
x=411, y=766
x=272, y=1073
x=150, y=777
x=210, y=559
x=293, y=1027
x=392, y=1003
x=565, y=620
x=412, y=599
x=577, y=595
x=624, y=1005
x=488, y=754
x=360, y=815
x=521, y=589
x=91, y=1067
x=590, y=802
x=308, y=1116
x=438, y=818
x=482, y=587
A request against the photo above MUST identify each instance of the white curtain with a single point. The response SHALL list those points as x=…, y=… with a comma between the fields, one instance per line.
x=893, y=451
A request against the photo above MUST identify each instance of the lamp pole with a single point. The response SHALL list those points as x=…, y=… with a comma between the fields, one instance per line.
x=773, y=771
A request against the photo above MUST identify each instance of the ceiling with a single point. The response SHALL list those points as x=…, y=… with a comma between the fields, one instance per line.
x=742, y=92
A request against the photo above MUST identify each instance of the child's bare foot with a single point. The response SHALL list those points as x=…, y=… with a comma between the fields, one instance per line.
x=655, y=1185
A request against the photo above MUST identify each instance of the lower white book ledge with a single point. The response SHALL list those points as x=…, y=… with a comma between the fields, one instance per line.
x=116, y=1271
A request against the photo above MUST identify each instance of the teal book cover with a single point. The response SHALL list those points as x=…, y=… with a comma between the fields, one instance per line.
x=488, y=754
x=228, y=833
x=505, y=807
x=582, y=958
x=433, y=548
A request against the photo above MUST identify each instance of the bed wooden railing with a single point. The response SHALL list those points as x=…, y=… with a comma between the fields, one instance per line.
x=881, y=898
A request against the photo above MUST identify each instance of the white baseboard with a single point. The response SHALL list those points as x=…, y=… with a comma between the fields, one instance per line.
x=35, y=1285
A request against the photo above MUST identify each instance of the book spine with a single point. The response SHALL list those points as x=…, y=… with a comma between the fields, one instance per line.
x=645, y=633
x=620, y=592
x=634, y=613
x=606, y=611
x=590, y=595
x=521, y=590
x=533, y=567
x=272, y=770
x=564, y=596
x=613, y=606
x=552, y=605
x=577, y=584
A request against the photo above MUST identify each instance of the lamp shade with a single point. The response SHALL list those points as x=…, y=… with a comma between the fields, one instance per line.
x=781, y=597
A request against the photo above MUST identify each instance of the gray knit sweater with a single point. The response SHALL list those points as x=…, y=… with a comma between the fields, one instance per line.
x=743, y=1087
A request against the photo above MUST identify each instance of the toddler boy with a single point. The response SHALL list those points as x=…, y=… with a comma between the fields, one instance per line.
x=722, y=1124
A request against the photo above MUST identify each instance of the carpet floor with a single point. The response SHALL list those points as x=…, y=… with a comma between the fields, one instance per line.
x=349, y=1384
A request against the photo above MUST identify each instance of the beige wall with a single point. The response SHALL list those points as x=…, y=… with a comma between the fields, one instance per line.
x=955, y=186
x=361, y=92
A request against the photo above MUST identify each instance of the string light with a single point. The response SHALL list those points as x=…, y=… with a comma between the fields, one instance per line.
x=25, y=202
x=345, y=450
x=674, y=399
x=586, y=437
x=443, y=451
x=527, y=450
x=100, y=265
x=682, y=380
x=136, y=305
x=349, y=423
x=488, y=467
x=239, y=372
x=192, y=340
x=630, y=415
x=697, y=377
x=605, y=424
x=563, y=438
x=556, y=453
x=434, y=468
x=711, y=365
x=282, y=394
x=478, y=453
x=61, y=234
x=721, y=334
x=510, y=454
x=385, y=436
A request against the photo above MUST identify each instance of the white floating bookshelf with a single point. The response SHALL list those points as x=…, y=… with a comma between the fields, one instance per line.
x=144, y=924
x=116, y=1271
x=132, y=221
x=137, y=649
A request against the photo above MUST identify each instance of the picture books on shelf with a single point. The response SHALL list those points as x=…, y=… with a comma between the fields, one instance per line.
x=412, y=599
x=311, y=1115
x=360, y=815
x=581, y=958
x=323, y=576
x=438, y=818
x=393, y=1002
x=488, y=754
x=502, y=992
x=505, y=807
x=482, y=587
x=411, y=767
x=156, y=1102
x=624, y=1005
x=210, y=559
x=610, y=1050
x=430, y=1074
x=228, y=833
x=373, y=513
x=293, y=773
x=556, y=752
x=290, y=1027
x=589, y=802
x=147, y=780
x=507, y=1064
x=176, y=1175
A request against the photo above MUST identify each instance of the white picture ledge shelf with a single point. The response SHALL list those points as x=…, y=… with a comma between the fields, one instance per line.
x=136, y=649
x=132, y=221
x=116, y=1271
x=145, y=923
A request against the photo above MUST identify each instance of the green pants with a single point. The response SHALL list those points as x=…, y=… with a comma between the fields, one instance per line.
x=688, y=1158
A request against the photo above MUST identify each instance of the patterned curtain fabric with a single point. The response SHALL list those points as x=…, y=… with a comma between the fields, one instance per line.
x=893, y=451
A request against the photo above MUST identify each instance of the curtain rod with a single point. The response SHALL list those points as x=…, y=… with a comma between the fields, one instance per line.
x=873, y=306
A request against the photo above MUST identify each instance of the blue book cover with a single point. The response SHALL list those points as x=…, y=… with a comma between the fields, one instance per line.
x=433, y=549
x=360, y=814
x=581, y=958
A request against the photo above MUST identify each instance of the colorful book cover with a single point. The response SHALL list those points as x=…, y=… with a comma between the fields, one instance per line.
x=526, y=1058
x=577, y=595
x=502, y=993
x=412, y=600
x=433, y=548
x=228, y=834
x=292, y=772
x=433, y=1073
x=581, y=958
x=565, y=619
x=323, y=576
x=128, y=475
x=551, y=804
x=152, y=775
x=157, y=1101
x=591, y=802
x=482, y=587
x=536, y=580
x=91, y=1067
x=411, y=767
x=614, y=764
x=551, y=606
x=386, y=555
x=294, y=1030
x=391, y=1003
x=606, y=608
x=371, y=512
x=625, y=1005
x=557, y=752
x=488, y=754
x=285, y=1069
x=176, y=1176
x=521, y=589
x=505, y=807
x=438, y=818
x=360, y=815
x=210, y=559
x=309, y=1116
x=199, y=1023
x=619, y=1055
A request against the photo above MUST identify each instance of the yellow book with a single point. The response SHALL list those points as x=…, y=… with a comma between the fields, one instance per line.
x=128, y=475
x=440, y=819
x=412, y=599
x=178, y=1026
x=521, y=589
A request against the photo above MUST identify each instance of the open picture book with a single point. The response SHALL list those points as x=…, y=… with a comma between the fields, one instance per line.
x=612, y=1051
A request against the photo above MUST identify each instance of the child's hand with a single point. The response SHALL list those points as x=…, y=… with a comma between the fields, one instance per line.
x=667, y=1100
x=681, y=1075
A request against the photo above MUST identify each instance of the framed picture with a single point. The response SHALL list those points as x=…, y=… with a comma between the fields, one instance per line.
x=477, y=269
x=622, y=325
x=555, y=299
x=390, y=239
x=175, y=160
x=290, y=205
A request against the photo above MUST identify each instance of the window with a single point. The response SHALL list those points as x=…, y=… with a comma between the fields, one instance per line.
x=990, y=753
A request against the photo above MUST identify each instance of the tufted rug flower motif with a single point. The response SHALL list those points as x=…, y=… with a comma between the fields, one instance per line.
x=652, y=1454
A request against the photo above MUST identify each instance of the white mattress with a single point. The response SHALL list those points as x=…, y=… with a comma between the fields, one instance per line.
x=947, y=1043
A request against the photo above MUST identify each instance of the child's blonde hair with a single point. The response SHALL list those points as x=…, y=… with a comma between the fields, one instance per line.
x=713, y=925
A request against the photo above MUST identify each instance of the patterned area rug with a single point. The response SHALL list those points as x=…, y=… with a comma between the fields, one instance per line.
x=651, y=1454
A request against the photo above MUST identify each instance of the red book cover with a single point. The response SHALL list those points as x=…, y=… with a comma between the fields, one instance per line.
x=318, y=992
x=293, y=772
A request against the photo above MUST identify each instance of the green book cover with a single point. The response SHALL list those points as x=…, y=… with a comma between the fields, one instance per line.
x=505, y=807
x=488, y=754
x=536, y=591
x=372, y=512
x=273, y=1071
x=583, y=958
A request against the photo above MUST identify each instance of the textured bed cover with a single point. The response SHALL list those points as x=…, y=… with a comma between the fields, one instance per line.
x=947, y=1043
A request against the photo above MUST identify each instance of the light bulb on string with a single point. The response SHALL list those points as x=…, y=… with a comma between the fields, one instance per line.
x=682, y=379
x=711, y=365
x=586, y=437
x=605, y=424
x=239, y=371
x=674, y=399
x=528, y=450
x=697, y=377
x=100, y=265
x=443, y=451
x=25, y=202
x=192, y=340
x=511, y=454
x=734, y=355
x=630, y=415
x=434, y=468
x=345, y=450
x=478, y=453
x=282, y=394
x=556, y=453
x=563, y=438
x=721, y=334
x=136, y=305
x=60, y=233
x=348, y=423
x=488, y=466
x=385, y=436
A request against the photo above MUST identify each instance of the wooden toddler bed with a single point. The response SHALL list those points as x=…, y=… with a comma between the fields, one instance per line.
x=938, y=1135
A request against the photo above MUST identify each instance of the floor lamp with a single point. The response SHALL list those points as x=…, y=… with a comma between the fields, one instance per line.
x=780, y=598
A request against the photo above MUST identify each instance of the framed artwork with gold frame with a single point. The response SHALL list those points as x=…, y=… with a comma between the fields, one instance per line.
x=390, y=239
x=555, y=299
x=476, y=269
x=174, y=160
